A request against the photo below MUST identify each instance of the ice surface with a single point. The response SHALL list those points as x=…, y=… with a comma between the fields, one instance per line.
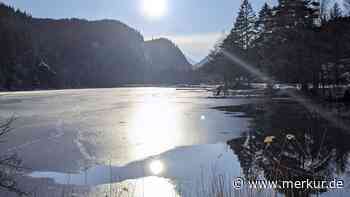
x=67, y=129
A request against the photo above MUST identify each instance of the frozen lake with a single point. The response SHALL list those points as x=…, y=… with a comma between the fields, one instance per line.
x=118, y=125
x=68, y=131
x=161, y=141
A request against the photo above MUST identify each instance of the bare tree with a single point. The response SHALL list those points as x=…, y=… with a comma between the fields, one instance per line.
x=336, y=11
x=347, y=6
x=10, y=164
x=324, y=10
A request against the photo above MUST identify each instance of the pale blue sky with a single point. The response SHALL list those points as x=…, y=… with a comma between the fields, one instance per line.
x=194, y=25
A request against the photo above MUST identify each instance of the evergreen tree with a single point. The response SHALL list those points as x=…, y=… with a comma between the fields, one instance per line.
x=263, y=27
x=293, y=42
x=244, y=27
x=296, y=13
x=238, y=42
x=264, y=21
x=287, y=49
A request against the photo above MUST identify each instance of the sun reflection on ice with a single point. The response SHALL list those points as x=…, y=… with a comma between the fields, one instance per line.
x=156, y=167
x=158, y=187
x=145, y=187
x=154, y=127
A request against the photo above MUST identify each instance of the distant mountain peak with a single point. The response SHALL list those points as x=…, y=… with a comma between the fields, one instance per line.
x=191, y=61
x=201, y=63
x=164, y=55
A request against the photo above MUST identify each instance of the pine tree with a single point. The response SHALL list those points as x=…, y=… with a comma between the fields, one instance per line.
x=238, y=42
x=296, y=13
x=263, y=24
x=263, y=28
x=244, y=27
x=287, y=49
x=232, y=40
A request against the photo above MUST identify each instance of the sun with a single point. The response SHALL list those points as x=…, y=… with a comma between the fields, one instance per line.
x=154, y=8
x=156, y=167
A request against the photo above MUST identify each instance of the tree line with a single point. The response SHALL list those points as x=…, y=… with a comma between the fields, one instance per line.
x=303, y=42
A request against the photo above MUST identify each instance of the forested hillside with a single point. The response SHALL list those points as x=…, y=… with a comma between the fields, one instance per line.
x=75, y=53
x=90, y=54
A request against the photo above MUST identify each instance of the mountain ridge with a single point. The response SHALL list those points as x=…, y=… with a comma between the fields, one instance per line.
x=79, y=53
x=164, y=55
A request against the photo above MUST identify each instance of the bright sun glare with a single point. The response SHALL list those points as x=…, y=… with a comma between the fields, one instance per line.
x=154, y=8
x=156, y=167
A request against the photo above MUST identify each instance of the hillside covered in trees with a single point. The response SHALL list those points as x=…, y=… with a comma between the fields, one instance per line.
x=75, y=53
x=303, y=42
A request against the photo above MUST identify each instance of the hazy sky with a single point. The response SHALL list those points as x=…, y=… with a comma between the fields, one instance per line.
x=194, y=25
